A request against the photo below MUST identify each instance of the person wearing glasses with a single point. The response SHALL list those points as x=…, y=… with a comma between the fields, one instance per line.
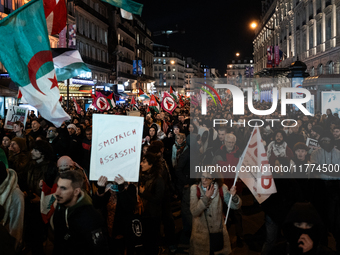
x=206, y=206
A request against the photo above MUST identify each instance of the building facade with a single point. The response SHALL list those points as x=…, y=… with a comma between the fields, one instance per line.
x=191, y=72
x=169, y=70
x=304, y=29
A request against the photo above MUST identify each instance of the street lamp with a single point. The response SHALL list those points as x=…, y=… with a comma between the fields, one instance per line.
x=253, y=25
x=237, y=54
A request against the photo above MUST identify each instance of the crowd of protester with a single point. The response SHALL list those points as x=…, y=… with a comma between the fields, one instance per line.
x=103, y=217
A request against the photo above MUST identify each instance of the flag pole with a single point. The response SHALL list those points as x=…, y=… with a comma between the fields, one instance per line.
x=67, y=39
x=237, y=173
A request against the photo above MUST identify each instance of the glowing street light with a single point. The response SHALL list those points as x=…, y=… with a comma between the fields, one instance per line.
x=172, y=62
x=253, y=25
x=237, y=54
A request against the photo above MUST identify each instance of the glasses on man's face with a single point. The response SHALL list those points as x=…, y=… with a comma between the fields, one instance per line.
x=205, y=178
x=50, y=131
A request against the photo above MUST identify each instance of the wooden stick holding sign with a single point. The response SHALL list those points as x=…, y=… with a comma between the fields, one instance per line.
x=116, y=147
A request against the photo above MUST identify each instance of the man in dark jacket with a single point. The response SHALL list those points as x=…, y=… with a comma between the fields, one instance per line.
x=36, y=130
x=86, y=150
x=58, y=142
x=74, y=149
x=78, y=227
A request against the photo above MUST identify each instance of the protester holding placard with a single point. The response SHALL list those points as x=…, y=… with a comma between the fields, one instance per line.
x=117, y=207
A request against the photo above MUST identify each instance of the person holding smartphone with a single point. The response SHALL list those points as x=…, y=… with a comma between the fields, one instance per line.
x=206, y=206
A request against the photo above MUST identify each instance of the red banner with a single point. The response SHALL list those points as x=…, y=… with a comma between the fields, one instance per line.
x=269, y=56
x=277, y=55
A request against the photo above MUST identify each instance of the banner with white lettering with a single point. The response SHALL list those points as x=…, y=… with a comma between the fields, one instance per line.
x=15, y=113
x=116, y=147
x=260, y=180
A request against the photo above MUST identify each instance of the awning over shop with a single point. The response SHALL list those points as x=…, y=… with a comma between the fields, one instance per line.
x=323, y=79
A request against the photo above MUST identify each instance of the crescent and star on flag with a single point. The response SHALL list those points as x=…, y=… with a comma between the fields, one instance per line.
x=34, y=65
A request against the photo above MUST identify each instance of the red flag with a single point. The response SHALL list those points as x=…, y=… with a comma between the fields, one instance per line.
x=181, y=101
x=56, y=15
x=101, y=103
x=141, y=92
x=168, y=103
x=171, y=91
x=19, y=94
x=76, y=105
x=133, y=102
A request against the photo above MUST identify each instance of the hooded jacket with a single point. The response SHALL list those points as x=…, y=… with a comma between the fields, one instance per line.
x=79, y=229
x=302, y=212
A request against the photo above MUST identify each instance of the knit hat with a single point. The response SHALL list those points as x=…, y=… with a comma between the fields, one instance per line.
x=21, y=143
x=301, y=146
x=72, y=126
x=317, y=129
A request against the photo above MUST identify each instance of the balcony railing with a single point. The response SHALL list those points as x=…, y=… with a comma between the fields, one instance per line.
x=127, y=31
x=90, y=10
x=127, y=75
x=126, y=60
x=126, y=45
x=96, y=62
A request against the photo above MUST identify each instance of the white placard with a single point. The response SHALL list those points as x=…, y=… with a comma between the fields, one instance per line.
x=116, y=147
x=330, y=100
x=15, y=113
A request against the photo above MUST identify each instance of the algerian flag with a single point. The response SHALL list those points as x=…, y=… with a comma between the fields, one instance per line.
x=127, y=5
x=26, y=54
x=68, y=63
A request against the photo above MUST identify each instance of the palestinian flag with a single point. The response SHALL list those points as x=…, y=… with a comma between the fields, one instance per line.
x=134, y=104
x=48, y=201
x=21, y=99
x=168, y=103
x=153, y=104
x=173, y=94
x=141, y=93
x=68, y=63
x=111, y=100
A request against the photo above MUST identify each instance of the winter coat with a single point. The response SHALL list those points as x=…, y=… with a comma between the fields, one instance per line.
x=213, y=208
x=152, y=196
x=79, y=229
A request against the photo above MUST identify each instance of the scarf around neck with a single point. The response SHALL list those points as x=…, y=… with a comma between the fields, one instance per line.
x=6, y=190
x=278, y=150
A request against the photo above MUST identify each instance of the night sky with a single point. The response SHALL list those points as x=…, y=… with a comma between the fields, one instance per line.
x=214, y=30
